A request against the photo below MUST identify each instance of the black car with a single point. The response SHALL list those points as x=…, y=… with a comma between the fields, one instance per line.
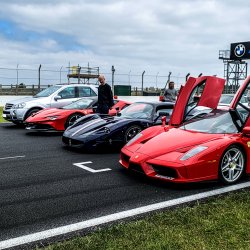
x=95, y=130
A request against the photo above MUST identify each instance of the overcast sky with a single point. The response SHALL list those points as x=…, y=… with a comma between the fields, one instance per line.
x=156, y=36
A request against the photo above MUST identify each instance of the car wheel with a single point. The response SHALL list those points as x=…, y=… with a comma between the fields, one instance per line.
x=31, y=112
x=232, y=165
x=131, y=132
x=71, y=119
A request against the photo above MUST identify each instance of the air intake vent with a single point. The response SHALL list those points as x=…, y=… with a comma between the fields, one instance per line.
x=165, y=171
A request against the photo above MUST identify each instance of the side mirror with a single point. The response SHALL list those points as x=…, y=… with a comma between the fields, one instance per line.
x=57, y=97
x=164, y=119
x=94, y=109
x=118, y=114
x=246, y=131
x=161, y=98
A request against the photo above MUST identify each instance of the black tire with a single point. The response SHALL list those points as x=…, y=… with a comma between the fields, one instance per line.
x=71, y=119
x=131, y=132
x=232, y=165
x=31, y=112
x=16, y=123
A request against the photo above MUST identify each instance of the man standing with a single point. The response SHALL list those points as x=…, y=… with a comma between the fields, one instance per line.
x=171, y=93
x=105, y=96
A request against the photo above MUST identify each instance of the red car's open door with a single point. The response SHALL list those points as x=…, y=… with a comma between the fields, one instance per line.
x=241, y=103
x=241, y=93
x=203, y=91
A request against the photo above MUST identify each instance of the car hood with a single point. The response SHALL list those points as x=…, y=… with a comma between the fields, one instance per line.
x=175, y=139
x=24, y=99
x=48, y=112
x=93, y=125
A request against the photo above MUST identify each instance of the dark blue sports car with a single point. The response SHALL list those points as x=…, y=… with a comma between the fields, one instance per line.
x=95, y=130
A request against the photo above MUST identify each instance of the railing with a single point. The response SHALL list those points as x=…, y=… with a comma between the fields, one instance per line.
x=20, y=89
x=76, y=70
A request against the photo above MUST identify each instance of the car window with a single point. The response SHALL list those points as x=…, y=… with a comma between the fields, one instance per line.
x=165, y=110
x=138, y=111
x=47, y=92
x=226, y=99
x=85, y=91
x=214, y=123
x=125, y=106
x=194, y=97
x=67, y=93
x=243, y=106
x=80, y=104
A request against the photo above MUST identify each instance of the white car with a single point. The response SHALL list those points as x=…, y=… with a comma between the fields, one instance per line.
x=55, y=96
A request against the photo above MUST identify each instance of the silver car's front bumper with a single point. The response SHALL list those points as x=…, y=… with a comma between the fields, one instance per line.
x=15, y=115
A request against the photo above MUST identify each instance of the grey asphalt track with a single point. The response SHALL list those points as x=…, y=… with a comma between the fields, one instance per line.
x=41, y=188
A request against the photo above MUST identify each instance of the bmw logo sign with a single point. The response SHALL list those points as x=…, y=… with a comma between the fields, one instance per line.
x=239, y=50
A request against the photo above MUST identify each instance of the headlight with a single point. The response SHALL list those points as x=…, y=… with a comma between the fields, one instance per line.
x=192, y=152
x=52, y=118
x=107, y=130
x=102, y=130
x=134, y=139
x=19, y=105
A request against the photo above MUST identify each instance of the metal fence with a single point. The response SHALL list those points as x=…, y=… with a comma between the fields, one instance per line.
x=20, y=80
x=49, y=76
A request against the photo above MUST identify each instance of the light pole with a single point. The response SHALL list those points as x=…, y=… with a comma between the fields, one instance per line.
x=156, y=79
x=129, y=77
x=60, y=74
x=17, y=74
x=113, y=72
x=142, y=76
x=39, y=77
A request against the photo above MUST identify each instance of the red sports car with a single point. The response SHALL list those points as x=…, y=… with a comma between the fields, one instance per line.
x=60, y=118
x=202, y=142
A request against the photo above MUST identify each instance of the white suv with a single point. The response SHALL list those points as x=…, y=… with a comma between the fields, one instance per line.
x=55, y=96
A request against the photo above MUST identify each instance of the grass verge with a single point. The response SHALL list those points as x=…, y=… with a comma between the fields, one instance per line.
x=1, y=117
x=220, y=223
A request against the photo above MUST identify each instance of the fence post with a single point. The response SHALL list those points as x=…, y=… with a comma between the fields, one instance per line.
x=142, y=76
x=113, y=72
x=39, y=77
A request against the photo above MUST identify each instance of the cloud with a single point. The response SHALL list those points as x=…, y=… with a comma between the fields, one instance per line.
x=156, y=36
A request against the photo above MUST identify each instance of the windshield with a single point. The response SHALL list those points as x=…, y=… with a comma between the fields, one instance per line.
x=138, y=111
x=47, y=92
x=226, y=99
x=80, y=104
x=216, y=122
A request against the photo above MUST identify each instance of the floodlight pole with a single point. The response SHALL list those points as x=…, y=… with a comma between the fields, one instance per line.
x=113, y=73
x=129, y=77
x=39, y=77
x=156, y=79
x=142, y=76
x=17, y=74
x=61, y=74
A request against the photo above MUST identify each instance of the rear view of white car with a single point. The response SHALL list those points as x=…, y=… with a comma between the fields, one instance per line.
x=55, y=96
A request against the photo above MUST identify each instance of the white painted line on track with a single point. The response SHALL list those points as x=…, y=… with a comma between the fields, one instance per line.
x=82, y=165
x=116, y=216
x=12, y=157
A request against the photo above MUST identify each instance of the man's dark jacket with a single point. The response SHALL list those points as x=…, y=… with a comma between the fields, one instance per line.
x=105, y=95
